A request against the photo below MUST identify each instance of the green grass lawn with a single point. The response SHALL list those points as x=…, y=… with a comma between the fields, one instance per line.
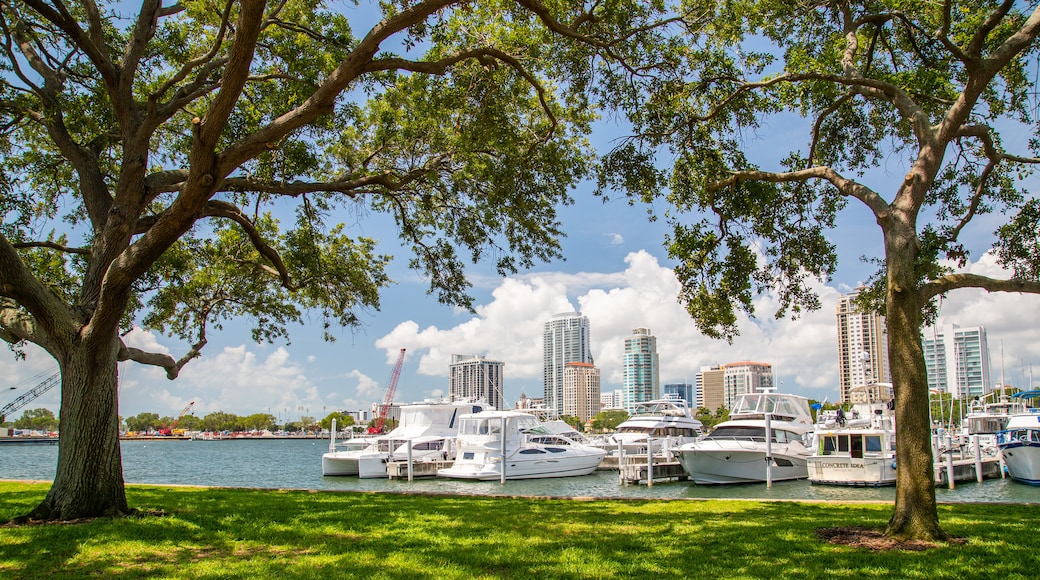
x=240, y=533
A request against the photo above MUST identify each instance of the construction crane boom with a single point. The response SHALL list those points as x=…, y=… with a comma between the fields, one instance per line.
x=26, y=398
x=388, y=396
x=168, y=430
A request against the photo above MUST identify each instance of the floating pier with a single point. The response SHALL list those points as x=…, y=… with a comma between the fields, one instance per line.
x=964, y=460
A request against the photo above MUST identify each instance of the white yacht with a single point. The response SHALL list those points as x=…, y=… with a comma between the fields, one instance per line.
x=736, y=450
x=496, y=445
x=1020, y=444
x=429, y=428
x=663, y=424
x=988, y=419
x=854, y=449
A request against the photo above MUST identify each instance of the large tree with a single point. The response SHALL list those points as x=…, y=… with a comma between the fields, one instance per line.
x=195, y=162
x=931, y=85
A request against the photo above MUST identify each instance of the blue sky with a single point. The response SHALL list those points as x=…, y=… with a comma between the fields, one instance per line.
x=615, y=272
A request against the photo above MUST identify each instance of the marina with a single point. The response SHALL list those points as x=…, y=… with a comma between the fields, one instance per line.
x=295, y=464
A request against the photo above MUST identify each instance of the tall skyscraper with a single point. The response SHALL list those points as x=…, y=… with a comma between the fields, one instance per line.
x=581, y=390
x=744, y=377
x=957, y=360
x=862, y=347
x=640, y=367
x=565, y=340
x=476, y=377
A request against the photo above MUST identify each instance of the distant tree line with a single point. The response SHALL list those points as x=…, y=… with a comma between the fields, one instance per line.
x=35, y=419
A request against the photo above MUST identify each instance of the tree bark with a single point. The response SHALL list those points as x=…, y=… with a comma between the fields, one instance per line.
x=89, y=477
x=915, y=515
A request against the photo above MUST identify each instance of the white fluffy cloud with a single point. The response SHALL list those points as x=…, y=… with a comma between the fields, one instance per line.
x=803, y=351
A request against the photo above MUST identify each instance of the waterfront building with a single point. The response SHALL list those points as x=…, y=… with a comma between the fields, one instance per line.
x=361, y=416
x=640, y=368
x=581, y=391
x=862, y=347
x=745, y=377
x=565, y=340
x=476, y=378
x=957, y=360
x=713, y=387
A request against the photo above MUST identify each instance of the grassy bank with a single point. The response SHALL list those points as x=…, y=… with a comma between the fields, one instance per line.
x=225, y=533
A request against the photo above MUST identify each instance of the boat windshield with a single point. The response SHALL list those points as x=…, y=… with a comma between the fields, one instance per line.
x=782, y=406
x=673, y=408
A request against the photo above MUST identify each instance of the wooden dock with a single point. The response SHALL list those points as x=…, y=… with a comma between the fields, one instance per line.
x=967, y=470
x=639, y=473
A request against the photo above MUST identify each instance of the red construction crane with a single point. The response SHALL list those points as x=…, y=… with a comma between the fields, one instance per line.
x=388, y=397
x=168, y=430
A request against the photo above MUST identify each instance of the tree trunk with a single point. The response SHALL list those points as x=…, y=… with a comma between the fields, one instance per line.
x=915, y=515
x=89, y=478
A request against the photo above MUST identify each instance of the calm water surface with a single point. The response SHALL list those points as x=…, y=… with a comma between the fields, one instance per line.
x=296, y=464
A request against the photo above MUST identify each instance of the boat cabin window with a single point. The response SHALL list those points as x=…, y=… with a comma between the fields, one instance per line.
x=828, y=445
x=872, y=443
x=832, y=444
x=531, y=451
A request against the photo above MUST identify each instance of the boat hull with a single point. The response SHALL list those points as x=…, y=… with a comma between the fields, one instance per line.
x=724, y=462
x=339, y=463
x=1022, y=461
x=491, y=469
x=853, y=472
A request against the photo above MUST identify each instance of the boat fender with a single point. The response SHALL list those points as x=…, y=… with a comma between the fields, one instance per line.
x=893, y=465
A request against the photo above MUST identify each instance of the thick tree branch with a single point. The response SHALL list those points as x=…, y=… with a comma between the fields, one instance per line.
x=18, y=284
x=950, y=282
x=165, y=361
x=16, y=326
x=846, y=187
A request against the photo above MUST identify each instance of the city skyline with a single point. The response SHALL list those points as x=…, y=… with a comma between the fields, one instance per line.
x=617, y=273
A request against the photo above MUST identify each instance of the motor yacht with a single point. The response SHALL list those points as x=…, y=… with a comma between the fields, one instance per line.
x=766, y=430
x=661, y=425
x=501, y=445
x=1020, y=444
x=857, y=448
x=429, y=428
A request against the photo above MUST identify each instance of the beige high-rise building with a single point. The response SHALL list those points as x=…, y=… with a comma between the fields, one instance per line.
x=745, y=377
x=862, y=347
x=713, y=387
x=581, y=394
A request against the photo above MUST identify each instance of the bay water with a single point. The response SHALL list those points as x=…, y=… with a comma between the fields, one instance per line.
x=296, y=464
